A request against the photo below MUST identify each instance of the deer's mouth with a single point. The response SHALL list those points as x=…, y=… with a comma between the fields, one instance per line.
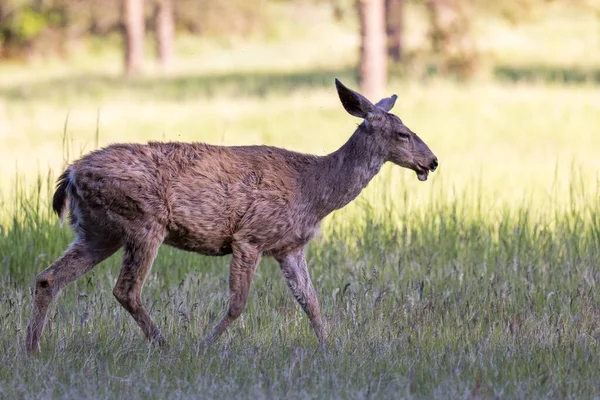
x=422, y=173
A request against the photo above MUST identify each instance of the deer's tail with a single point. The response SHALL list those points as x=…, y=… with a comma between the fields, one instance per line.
x=61, y=195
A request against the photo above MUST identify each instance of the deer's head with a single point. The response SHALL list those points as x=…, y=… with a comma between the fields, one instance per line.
x=401, y=145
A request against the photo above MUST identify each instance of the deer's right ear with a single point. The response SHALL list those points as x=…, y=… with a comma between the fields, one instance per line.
x=355, y=103
x=387, y=104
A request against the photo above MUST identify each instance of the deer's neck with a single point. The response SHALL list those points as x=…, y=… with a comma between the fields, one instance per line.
x=339, y=177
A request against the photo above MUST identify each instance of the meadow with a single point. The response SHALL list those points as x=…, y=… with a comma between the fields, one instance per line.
x=480, y=283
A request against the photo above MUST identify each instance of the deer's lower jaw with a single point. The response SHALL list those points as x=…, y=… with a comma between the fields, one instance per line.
x=422, y=174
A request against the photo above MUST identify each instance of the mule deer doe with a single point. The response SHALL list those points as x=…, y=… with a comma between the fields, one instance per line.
x=249, y=201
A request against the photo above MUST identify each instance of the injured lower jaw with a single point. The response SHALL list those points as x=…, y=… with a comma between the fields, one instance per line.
x=422, y=175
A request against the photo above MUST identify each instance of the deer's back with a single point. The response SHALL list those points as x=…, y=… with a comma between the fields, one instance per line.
x=205, y=196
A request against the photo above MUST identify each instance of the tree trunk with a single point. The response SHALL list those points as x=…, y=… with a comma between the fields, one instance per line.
x=164, y=32
x=133, y=29
x=373, y=62
x=395, y=27
x=451, y=36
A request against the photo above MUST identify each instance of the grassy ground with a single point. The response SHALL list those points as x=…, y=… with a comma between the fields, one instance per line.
x=482, y=282
x=456, y=301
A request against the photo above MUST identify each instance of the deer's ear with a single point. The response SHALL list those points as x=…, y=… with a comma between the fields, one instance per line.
x=355, y=103
x=387, y=104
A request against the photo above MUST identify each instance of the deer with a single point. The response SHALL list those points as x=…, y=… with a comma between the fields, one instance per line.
x=247, y=201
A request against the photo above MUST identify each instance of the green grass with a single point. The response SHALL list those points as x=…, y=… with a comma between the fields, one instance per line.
x=482, y=281
x=447, y=302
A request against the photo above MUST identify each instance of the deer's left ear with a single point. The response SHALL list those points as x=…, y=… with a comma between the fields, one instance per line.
x=387, y=104
x=355, y=103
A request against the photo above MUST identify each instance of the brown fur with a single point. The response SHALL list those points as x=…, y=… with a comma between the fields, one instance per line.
x=249, y=201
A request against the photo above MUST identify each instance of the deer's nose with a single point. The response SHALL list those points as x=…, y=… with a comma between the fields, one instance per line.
x=434, y=164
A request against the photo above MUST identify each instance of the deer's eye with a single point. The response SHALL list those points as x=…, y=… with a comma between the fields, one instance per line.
x=403, y=136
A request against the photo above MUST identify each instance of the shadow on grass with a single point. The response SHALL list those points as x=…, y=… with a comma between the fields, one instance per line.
x=249, y=84
x=255, y=84
x=547, y=74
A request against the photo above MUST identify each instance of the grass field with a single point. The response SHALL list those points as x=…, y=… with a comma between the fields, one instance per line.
x=480, y=283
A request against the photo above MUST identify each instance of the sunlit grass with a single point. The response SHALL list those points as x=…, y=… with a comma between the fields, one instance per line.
x=510, y=140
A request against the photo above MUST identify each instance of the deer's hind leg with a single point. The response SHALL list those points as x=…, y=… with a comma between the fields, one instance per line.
x=81, y=256
x=139, y=254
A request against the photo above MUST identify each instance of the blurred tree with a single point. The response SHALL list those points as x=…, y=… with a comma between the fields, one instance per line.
x=28, y=26
x=451, y=33
x=394, y=27
x=373, y=61
x=451, y=38
x=342, y=9
x=133, y=36
x=164, y=32
x=514, y=11
x=45, y=27
x=591, y=5
x=99, y=17
x=225, y=18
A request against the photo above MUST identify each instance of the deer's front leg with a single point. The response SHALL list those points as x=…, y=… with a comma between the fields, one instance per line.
x=296, y=275
x=241, y=270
